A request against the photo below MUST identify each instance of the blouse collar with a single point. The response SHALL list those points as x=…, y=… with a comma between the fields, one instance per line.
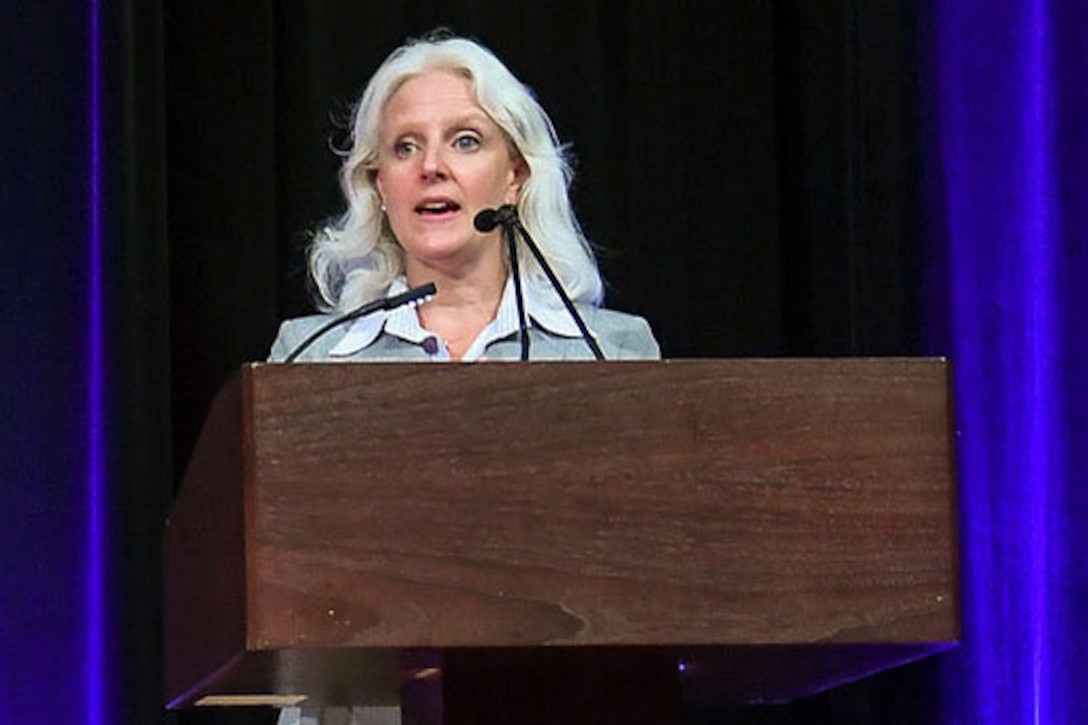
x=543, y=308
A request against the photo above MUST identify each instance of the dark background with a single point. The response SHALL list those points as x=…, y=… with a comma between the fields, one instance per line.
x=752, y=170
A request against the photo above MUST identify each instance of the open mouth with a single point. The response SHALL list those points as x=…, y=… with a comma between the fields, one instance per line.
x=438, y=208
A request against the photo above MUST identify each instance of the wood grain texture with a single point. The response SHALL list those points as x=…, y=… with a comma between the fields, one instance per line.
x=675, y=504
x=204, y=574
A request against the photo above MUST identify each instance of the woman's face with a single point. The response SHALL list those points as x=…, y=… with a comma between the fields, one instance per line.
x=442, y=159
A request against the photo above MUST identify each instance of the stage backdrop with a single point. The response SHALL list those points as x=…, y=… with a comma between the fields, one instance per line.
x=752, y=172
x=854, y=177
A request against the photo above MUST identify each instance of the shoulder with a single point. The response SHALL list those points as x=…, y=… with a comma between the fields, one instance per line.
x=292, y=332
x=623, y=336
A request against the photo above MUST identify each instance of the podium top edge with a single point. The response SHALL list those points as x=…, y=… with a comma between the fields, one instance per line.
x=939, y=360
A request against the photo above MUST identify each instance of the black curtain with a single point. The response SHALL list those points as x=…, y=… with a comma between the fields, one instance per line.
x=137, y=355
x=751, y=170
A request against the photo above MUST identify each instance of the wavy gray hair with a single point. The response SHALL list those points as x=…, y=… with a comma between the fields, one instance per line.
x=356, y=257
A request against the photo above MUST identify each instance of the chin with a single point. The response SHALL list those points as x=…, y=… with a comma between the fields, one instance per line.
x=440, y=247
x=441, y=252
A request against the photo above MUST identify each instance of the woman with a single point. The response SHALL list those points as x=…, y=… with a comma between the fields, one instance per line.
x=443, y=131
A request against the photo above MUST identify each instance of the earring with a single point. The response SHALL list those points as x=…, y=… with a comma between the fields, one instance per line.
x=384, y=210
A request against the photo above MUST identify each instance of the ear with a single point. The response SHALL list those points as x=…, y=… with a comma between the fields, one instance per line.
x=378, y=186
x=518, y=177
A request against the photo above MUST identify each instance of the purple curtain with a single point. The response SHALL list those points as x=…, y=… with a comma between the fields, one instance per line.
x=1009, y=183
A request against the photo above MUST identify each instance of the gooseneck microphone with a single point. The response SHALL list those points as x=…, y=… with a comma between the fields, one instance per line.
x=486, y=221
x=507, y=216
x=415, y=296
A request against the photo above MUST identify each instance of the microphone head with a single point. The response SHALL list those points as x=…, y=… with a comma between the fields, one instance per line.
x=486, y=220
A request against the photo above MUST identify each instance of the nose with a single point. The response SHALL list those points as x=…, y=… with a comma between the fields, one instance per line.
x=434, y=164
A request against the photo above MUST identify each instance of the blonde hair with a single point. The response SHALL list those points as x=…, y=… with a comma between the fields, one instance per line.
x=355, y=258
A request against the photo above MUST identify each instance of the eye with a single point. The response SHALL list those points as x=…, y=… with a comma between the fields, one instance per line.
x=467, y=142
x=404, y=148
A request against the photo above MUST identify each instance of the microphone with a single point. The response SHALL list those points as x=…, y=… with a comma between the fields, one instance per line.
x=507, y=216
x=488, y=219
x=415, y=296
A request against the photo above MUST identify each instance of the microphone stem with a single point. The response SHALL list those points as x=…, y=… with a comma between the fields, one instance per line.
x=593, y=346
x=387, y=303
x=523, y=328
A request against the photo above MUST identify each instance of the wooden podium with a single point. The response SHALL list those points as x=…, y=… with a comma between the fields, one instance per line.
x=751, y=530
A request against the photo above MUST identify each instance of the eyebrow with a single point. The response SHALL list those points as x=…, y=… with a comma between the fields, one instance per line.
x=465, y=119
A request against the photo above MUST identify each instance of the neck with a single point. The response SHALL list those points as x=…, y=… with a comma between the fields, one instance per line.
x=464, y=303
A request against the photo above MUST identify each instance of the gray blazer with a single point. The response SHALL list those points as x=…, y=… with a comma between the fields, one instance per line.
x=620, y=336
